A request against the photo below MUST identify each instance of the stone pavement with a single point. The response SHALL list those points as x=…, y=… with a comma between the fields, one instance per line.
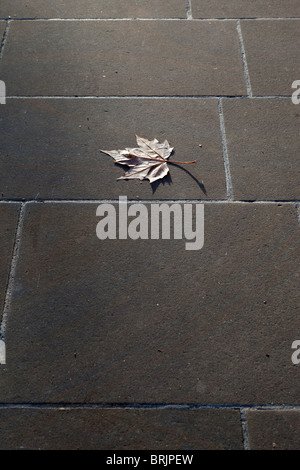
x=141, y=344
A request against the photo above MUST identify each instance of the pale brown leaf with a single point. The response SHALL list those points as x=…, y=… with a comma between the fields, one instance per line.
x=147, y=161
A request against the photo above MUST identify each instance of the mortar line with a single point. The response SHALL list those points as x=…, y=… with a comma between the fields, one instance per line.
x=244, y=426
x=12, y=271
x=189, y=14
x=164, y=406
x=4, y=37
x=121, y=97
x=144, y=97
x=229, y=188
x=241, y=18
x=108, y=19
x=244, y=59
x=149, y=201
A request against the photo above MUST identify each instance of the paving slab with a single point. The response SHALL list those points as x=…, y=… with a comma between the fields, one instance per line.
x=120, y=429
x=272, y=55
x=122, y=58
x=93, y=9
x=147, y=321
x=242, y=9
x=263, y=148
x=51, y=148
x=9, y=213
x=273, y=429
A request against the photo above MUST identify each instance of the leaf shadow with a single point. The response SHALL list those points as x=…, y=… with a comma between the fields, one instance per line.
x=166, y=179
x=200, y=184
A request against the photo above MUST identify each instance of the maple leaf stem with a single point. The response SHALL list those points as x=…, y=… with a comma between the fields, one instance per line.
x=187, y=163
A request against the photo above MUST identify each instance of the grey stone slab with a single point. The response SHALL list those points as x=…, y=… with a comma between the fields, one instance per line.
x=120, y=429
x=123, y=58
x=93, y=9
x=274, y=429
x=242, y=9
x=51, y=148
x=147, y=321
x=263, y=148
x=9, y=217
x=272, y=55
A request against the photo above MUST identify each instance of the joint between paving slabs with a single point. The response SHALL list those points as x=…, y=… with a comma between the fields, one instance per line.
x=244, y=426
x=12, y=271
x=145, y=97
x=229, y=188
x=4, y=37
x=278, y=202
x=244, y=59
x=189, y=15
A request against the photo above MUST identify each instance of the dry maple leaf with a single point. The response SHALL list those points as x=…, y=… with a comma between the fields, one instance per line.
x=147, y=161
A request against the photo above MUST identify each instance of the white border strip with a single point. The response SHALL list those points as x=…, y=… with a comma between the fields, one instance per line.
x=2, y=352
